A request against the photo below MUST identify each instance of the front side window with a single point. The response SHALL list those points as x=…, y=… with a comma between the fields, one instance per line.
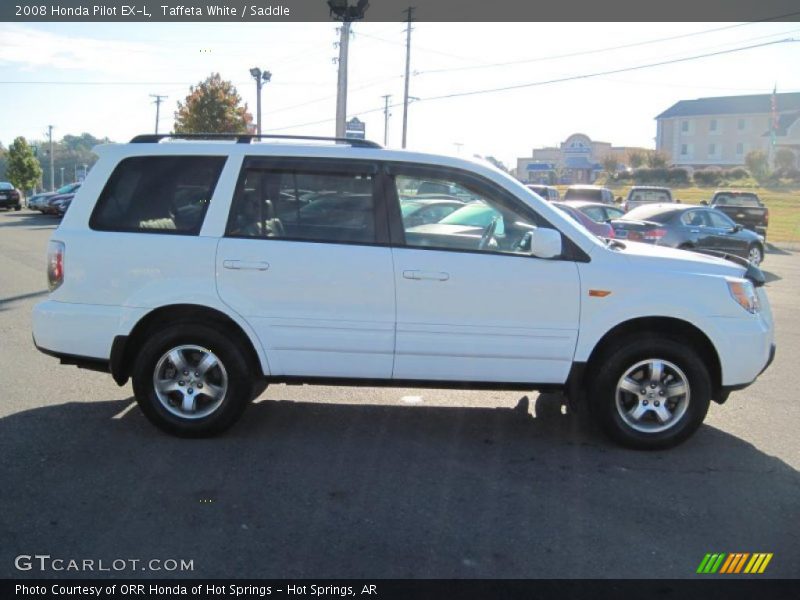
x=719, y=220
x=158, y=194
x=487, y=222
x=304, y=203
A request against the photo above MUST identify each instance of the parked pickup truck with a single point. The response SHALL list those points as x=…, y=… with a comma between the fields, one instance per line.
x=744, y=208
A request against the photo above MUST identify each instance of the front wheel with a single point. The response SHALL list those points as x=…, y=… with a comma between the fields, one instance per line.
x=755, y=254
x=650, y=393
x=191, y=380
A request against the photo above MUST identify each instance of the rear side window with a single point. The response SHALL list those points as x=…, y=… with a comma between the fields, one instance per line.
x=158, y=194
x=307, y=203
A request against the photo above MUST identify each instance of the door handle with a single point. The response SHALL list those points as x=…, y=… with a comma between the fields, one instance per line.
x=245, y=265
x=429, y=275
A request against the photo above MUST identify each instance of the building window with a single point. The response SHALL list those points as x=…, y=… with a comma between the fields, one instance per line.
x=684, y=149
x=712, y=149
x=712, y=126
x=742, y=124
x=739, y=149
x=684, y=126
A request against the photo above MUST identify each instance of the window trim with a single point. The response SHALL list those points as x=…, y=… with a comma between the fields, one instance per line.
x=316, y=165
x=213, y=188
x=570, y=250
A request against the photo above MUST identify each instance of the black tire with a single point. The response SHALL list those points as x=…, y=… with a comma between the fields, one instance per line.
x=760, y=249
x=239, y=380
x=610, y=368
x=259, y=385
x=17, y=207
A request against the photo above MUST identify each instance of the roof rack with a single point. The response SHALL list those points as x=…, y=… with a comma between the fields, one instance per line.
x=246, y=138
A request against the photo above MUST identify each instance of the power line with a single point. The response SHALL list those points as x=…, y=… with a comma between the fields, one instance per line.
x=595, y=51
x=561, y=79
x=609, y=72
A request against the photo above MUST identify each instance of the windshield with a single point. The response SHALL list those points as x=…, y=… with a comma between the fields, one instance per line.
x=736, y=200
x=409, y=207
x=649, y=196
x=474, y=215
x=69, y=188
x=594, y=195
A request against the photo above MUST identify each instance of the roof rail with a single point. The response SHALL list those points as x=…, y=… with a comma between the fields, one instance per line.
x=246, y=138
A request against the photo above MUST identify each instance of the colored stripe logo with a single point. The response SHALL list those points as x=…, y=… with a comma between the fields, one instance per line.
x=733, y=563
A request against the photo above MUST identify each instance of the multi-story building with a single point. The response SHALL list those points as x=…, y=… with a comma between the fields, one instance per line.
x=721, y=131
x=576, y=160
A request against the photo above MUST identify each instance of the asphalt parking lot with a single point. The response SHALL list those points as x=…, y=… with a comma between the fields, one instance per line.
x=320, y=482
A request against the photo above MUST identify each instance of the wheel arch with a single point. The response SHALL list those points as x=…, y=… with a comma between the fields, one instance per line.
x=656, y=326
x=125, y=347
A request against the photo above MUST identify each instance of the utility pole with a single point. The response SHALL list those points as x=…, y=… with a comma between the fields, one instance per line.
x=345, y=11
x=261, y=78
x=341, y=84
x=386, y=116
x=158, y=100
x=52, y=168
x=62, y=176
x=409, y=18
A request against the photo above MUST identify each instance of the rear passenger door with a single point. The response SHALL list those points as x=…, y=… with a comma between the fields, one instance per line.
x=305, y=259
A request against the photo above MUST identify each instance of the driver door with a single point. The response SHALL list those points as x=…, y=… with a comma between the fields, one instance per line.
x=476, y=309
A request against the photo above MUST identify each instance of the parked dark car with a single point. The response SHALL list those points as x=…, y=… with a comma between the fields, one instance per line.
x=689, y=228
x=10, y=196
x=589, y=193
x=647, y=194
x=548, y=192
x=743, y=208
x=39, y=201
x=600, y=229
x=428, y=210
x=597, y=212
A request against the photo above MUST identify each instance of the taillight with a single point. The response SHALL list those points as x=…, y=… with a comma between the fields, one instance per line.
x=766, y=216
x=634, y=236
x=55, y=264
x=654, y=235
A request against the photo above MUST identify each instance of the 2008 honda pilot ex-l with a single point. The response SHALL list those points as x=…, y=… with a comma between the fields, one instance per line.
x=204, y=269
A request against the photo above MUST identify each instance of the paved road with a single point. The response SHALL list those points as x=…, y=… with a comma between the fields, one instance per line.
x=339, y=482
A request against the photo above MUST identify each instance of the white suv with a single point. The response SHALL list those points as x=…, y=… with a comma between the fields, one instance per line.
x=205, y=269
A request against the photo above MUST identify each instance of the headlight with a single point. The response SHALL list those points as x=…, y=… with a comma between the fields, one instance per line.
x=744, y=293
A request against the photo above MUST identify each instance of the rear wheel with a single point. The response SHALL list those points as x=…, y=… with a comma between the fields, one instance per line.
x=191, y=380
x=650, y=392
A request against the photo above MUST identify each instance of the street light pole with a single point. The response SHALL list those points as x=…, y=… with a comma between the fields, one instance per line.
x=345, y=11
x=261, y=78
x=62, y=177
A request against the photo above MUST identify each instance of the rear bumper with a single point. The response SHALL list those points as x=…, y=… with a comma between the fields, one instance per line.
x=86, y=331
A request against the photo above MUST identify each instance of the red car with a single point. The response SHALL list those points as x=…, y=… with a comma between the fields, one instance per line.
x=603, y=230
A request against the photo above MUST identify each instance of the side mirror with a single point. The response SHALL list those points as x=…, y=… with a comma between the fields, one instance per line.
x=619, y=200
x=545, y=243
x=737, y=228
x=677, y=200
x=704, y=202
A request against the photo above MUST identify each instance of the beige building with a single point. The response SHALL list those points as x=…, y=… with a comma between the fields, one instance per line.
x=576, y=160
x=721, y=131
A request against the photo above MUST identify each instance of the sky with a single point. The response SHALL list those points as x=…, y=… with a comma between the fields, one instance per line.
x=98, y=77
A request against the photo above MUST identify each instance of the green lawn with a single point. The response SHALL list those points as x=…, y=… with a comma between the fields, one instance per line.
x=784, y=207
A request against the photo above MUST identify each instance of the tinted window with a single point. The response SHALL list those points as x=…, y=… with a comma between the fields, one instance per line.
x=736, y=200
x=595, y=213
x=304, y=204
x=158, y=194
x=6, y=186
x=694, y=218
